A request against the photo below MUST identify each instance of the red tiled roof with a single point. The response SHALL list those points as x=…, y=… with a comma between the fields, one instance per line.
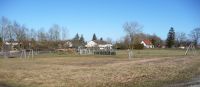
x=147, y=42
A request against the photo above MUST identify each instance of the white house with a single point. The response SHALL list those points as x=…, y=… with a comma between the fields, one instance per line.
x=12, y=44
x=147, y=44
x=91, y=44
x=100, y=44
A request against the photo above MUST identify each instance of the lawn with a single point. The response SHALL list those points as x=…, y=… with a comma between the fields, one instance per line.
x=148, y=68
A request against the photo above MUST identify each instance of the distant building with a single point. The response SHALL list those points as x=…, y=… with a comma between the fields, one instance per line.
x=65, y=44
x=182, y=47
x=68, y=44
x=99, y=44
x=11, y=45
x=91, y=44
x=147, y=44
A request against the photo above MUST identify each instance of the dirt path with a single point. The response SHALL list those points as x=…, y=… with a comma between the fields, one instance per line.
x=195, y=82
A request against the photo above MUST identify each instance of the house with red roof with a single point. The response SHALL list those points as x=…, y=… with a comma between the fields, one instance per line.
x=147, y=44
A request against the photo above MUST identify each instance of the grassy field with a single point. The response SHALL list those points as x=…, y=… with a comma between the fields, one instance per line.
x=148, y=68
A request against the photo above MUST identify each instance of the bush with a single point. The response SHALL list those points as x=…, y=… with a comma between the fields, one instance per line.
x=121, y=46
x=138, y=46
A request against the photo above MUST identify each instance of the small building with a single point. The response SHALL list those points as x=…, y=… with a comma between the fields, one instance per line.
x=147, y=44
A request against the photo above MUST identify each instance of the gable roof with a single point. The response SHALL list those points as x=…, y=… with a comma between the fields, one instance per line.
x=147, y=42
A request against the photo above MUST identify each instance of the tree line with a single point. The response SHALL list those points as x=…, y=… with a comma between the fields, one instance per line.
x=177, y=39
x=134, y=36
x=55, y=36
x=30, y=38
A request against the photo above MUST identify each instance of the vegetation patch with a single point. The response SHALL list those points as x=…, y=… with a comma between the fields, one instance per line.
x=98, y=71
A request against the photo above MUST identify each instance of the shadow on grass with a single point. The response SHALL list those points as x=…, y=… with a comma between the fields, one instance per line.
x=2, y=84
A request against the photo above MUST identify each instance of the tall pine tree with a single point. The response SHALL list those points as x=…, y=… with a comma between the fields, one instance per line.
x=82, y=40
x=170, y=38
x=76, y=41
x=76, y=37
x=94, y=37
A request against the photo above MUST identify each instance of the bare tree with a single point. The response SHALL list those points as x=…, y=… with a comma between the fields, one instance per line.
x=180, y=38
x=33, y=34
x=17, y=30
x=195, y=35
x=4, y=26
x=131, y=29
x=109, y=40
x=11, y=35
x=32, y=38
x=20, y=32
x=51, y=34
x=64, y=33
x=23, y=32
x=7, y=33
x=54, y=32
x=4, y=23
x=41, y=35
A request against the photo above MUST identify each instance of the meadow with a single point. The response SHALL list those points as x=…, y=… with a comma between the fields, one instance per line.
x=147, y=68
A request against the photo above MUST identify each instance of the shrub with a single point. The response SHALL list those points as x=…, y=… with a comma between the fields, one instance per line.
x=138, y=46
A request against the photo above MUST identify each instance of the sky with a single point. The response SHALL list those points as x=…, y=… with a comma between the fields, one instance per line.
x=105, y=18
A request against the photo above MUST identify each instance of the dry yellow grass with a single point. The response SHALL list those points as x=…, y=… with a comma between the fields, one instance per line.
x=92, y=72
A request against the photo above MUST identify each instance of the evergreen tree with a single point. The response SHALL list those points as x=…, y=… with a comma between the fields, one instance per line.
x=101, y=39
x=82, y=40
x=76, y=41
x=94, y=37
x=76, y=37
x=170, y=38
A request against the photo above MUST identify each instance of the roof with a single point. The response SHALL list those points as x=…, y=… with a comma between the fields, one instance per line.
x=13, y=43
x=100, y=42
x=147, y=42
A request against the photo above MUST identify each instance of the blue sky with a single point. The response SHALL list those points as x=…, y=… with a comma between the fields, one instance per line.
x=105, y=17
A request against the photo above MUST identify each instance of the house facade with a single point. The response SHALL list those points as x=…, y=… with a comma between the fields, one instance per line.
x=147, y=44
